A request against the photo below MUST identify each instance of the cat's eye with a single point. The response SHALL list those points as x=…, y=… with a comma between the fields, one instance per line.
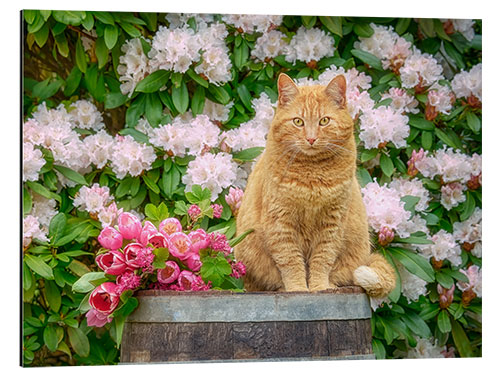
x=298, y=121
x=324, y=121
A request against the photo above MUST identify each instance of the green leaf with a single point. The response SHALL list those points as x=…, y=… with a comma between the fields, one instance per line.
x=151, y=184
x=73, y=81
x=248, y=154
x=414, y=263
x=30, y=15
x=427, y=26
x=50, y=337
x=79, y=341
x=153, y=82
x=198, y=101
x=245, y=96
x=52, y=295
x=71, y=174
x=241, y=237
x=130, y=30
x=443, y=322
x=445, y=280
x=119, y=323
x=135, y=111
x=62, y=44
x=151, y=20
x=364, y=177
x=102, y=52
x=69, y=17
x=416, y=324
x=395, y=294
x=42, y=35
x=39, y=266
x=421, y=123
x=363, y=30
x=80, y=58
x=110, y=36
x=454, y=54
x=42, y=190
x=333, y=24
x=56, y=226
x=161, y=256
x=27, y=201
x=461, y=340
x=456, y=275
x=88, y=21
x=429, y=311
x=180, y=97
x=438, y=27
x=88, y=282
x=447, y=139
x=104, y=17
x=468, y=207
x=151, y=212
x=368, y=155
x=220, y=94
x=154, y=109
x=413, y=240
x=473, y=122
x=378, y=349
x=123, y=187
x=368, y=58
x=386, y=165
x=308, y=21
x=197, y=78
x=402, y=25
x=241, y=54
x=37, y=23
x=427, y=139
x=114, y=100
x=170, y=181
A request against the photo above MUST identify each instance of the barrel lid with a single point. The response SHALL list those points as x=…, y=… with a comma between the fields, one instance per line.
x=157, y=306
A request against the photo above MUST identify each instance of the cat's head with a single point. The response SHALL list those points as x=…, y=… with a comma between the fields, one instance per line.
x=312, y=119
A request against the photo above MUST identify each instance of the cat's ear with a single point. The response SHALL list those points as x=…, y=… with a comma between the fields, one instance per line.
x=287, y=89
x=336, y=90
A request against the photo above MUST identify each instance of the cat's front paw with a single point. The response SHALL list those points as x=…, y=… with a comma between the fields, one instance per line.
x=319, y=287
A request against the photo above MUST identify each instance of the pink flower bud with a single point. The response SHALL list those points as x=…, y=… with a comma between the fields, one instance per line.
x=445, y=296
x=132, y=252
x=385, y=236
x=180, y=245
x=110, y=238
x=217, y=210
x=168, y=274
x=112, y=262
x=97, y=319
x=193, y=262
x=170, y=226
x=105, y=298
x=199, y=240
x=129, y=226
x=147, y=230
x=194, y=212
x=234, y=198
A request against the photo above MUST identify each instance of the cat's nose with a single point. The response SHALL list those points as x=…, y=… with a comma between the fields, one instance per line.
x=311, y=140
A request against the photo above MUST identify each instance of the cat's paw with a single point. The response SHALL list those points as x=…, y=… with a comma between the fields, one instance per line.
x=297, y=288
x=319, y=288
x=366, y=277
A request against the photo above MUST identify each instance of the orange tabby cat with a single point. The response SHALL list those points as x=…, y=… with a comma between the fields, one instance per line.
x=304, y=202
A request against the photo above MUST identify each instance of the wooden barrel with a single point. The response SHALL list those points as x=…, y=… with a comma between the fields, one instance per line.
x=220, y=326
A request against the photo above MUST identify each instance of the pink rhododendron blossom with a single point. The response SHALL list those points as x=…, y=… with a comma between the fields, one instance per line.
x=158, y=240
x=194, y=212
x=234, y=198
x=129, y=226
x=127, y=281
x=180, y=245
x=105, y=298
x=170, y=226
x=108, y=216
x=445, y=296
x=218, y=242
x=189, y=281
x=112, y=262
x=96, y=318
x=217, y=210
x=132, y=251
x=110, y=238
x=199, y=240
x=193, y=262
x=474, y=274
x=168, y=274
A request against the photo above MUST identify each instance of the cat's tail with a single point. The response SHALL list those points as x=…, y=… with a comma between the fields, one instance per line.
x=377, y=277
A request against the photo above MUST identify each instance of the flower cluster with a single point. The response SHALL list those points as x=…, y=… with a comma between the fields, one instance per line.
x=250, y=23
x=139, y=255
x=98, y=202
x=469, y=84
x=309, y=45
x=134, y=65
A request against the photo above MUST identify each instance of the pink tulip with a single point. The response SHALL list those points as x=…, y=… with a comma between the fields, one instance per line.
x=112, y=262
x=105, y=298
x=132, y=251
x=180, y=245
x=193, y=262
x=129, y=226
x=170, y=226
x=110, y=238
x=97, y=319
x=199, y=240
x=169, y=274
x=186, y=280
x=147, y=230
x=158, y=240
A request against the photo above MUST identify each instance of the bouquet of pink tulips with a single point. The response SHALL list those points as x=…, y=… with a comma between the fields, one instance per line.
x=137, y=255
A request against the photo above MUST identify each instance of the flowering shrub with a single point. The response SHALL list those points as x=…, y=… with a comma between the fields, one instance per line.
x=131, y=119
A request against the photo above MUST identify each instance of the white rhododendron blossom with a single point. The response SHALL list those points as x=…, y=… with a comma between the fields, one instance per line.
x=216, y=111
x=32, y=230
x=52, y=116
x=463, y=26
x=420, y=69
x=247, y=135
x=201, y=135
x=384, y=208
x=250, y=23
x=170, y=138
x=33, y=161
x=412, y=286
x=131, y=157
x=443, y=248
x=426, y=348
x=414, y=188
x=383, y=124
x=385, y=44
x=441, y=97
x=92, y=199
x=470, y=232
x=465, y=84
x=308, y=45
x=134, y=65
x=452, y=195
x=43, y=209
x=99, y=148
x=213, y=171
x=269, y=45
x=452, y=165
x=215, y=63
x=177, y=20
x=475, y=276
x=401, y=100
x=85, y=115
